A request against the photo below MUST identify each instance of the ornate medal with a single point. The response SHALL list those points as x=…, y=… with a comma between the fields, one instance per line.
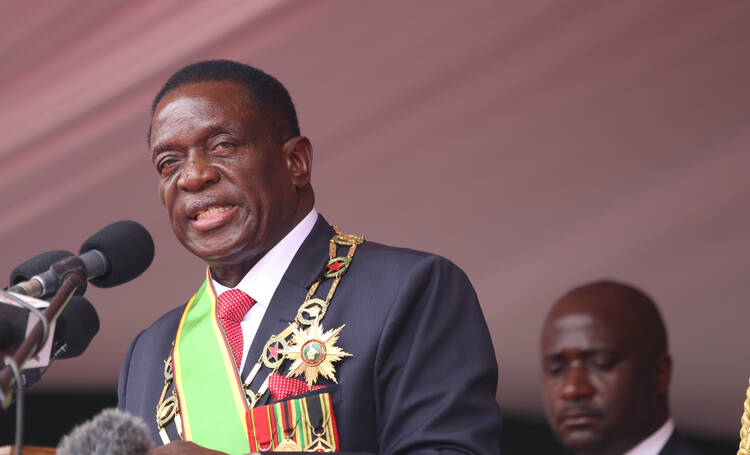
x=272, y=357
x=288, y=445
x=313, y=353
x=336, y=267
x=320, y=445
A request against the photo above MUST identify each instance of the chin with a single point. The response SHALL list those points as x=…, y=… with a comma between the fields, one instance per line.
x=579, y=441
x=221, y=256
x=222, y=241
x=215, y=251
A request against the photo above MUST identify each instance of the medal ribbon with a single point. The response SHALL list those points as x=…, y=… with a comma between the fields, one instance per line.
x=307, y=421
x=262, y=425
x=208, y=386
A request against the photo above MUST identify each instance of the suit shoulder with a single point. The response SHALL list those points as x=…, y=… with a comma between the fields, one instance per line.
x=677, y=445
x=402, y=257
x=389, y=271
x=167, y=323
x=168, y=318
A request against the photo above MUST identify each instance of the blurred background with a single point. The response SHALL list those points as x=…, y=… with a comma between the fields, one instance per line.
x=538, y=144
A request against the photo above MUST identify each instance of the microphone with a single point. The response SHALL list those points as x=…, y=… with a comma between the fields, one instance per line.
x=111, y=432
x=36, y=265
x=114, y=255
x=76, y=327
x=8, y=334
x=73, y=332
x=15, y=320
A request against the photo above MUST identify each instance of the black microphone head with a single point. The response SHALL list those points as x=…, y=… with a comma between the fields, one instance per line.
x=7, y=334
x=76, y=327
x=128, y=248
x=36, y=265
x=111, y=432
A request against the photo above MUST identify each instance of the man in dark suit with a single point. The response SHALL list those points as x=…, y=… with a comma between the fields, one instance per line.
x=410, y=367
x=606, y=372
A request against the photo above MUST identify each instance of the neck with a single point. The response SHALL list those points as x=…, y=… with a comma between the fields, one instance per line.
x=231, y=275
x=627, y=442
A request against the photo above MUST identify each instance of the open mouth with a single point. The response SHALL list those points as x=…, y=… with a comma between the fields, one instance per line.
x=212, y=217
x=211, y=211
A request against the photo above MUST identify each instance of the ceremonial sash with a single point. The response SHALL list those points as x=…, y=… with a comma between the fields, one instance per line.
x=209, y=389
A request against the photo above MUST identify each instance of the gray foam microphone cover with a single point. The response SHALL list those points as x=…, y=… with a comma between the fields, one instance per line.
x=111, y=432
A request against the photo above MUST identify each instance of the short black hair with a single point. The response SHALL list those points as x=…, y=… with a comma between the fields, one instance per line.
x=266, y=91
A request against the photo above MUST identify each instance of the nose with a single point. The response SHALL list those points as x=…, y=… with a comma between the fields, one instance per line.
x=576, y=384
x=197, y=173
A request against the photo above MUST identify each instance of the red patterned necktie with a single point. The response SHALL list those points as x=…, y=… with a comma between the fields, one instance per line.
x=231, y=307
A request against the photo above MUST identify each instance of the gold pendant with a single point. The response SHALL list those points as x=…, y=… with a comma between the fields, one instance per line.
x=320, y=445
x=313, y=352
x=288, y=445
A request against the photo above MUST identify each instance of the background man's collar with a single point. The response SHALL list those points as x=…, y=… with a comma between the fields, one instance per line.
x=654, y=443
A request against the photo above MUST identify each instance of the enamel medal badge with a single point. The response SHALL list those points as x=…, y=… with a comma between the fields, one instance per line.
x=313, y=352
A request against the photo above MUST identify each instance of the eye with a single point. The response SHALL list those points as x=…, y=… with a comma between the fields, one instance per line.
x=553, y=367
x=603, y=361
x=223, y=147
x=166, y=165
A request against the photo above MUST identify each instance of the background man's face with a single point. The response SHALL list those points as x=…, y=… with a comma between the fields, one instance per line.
x=596, y=383
x=223, y=180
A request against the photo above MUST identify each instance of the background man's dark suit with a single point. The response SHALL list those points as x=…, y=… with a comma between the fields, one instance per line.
x=677, y=446
x=423, y=374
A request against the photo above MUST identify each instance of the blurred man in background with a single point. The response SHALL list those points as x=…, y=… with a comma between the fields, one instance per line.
x=606, y=372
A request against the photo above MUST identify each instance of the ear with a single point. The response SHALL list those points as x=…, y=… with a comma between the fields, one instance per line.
x=297, y=153
x=663, y=373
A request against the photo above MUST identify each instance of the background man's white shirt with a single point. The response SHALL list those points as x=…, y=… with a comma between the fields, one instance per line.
x=654, y=443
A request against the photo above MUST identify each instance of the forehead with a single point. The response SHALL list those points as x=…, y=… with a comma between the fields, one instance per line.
x=583, y=331
x=192, y=105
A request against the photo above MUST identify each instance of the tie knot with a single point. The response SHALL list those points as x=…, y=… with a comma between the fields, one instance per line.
x=232, y=305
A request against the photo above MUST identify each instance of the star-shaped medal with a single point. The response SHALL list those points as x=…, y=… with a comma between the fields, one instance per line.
x=313, y=352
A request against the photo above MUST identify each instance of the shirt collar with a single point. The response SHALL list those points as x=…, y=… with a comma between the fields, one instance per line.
x=261, y=281
x=654, y=443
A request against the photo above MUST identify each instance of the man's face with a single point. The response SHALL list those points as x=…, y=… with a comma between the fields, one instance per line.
x=597, y=385
x=225, y=183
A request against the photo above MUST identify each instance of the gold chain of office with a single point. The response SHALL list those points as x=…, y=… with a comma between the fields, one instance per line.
x=310, y=312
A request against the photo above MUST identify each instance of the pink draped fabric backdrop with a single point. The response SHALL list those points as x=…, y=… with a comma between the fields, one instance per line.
x=536, y=144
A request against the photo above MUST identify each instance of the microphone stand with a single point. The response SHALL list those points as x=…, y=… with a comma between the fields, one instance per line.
x=73, y=276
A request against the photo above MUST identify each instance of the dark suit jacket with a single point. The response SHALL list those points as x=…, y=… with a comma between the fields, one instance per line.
x=423, y=375
x=677, y=446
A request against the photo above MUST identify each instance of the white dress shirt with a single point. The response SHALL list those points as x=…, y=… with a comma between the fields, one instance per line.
x=261, y=281
x=654, y=443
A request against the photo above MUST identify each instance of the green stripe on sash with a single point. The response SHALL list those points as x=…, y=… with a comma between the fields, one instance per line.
x=212, y=401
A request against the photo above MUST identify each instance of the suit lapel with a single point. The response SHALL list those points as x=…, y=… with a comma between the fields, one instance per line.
x=306, y=266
